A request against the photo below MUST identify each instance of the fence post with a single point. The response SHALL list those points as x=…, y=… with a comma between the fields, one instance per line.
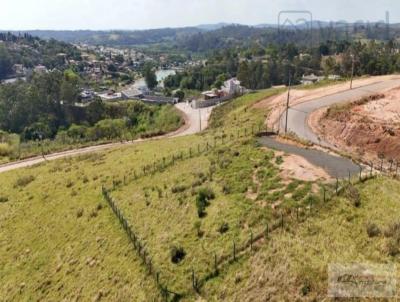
x=234, y=251
x=349, y=177
x=372, y=168
x=198, y=148
x=266, y=231
x=337, y=186
x=215, y=264
x=382, y=165
x=361, y=173
x=281, y=220
x=251, y=241
x=324, y=194
x=193, y=280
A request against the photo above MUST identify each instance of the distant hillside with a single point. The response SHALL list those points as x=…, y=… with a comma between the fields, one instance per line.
x=223, y=35
x=30, y=51
x=116, y=37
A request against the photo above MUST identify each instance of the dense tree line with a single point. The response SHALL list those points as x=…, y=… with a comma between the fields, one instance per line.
x=259, y=67
x=45, y=105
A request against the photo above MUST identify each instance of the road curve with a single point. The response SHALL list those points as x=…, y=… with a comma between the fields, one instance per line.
x=298, y=115
x=195, y=121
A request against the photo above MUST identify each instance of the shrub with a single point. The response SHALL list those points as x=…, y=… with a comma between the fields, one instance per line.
x=204, y=195
x=279, y=160
x=197, y=227
x=177, y=254
x=373, y=230
x=392, y=248
x=25, y=180
x=354, y=196
x=3, y=199
x=223, y=228
x=79, y=214
x=5, y=149
x=178, y=189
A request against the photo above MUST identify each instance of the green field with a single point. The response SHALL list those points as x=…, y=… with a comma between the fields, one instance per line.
x=59, y=239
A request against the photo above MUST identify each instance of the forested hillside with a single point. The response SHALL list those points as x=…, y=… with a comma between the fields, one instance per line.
x=32, y=51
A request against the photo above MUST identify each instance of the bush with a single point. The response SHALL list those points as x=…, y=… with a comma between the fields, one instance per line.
x=177, y=254
x=3, y=199
x=5, y=149
x=373, y=230
x=25, y=180
x=223, y=228
x=204, y=195
x=354, y=196
x=178, y=189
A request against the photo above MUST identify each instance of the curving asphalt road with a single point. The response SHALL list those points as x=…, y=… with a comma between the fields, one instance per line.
x=298, y=115
x=195, y=121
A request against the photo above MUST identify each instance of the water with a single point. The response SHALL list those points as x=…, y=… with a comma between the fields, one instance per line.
x=160, y=74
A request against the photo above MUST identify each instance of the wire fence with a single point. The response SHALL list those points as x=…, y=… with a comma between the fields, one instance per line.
x=220, y=260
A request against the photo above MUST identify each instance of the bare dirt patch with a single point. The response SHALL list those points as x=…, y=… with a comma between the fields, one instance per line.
x=277, y=104
x=296, y=167
x=368, y=128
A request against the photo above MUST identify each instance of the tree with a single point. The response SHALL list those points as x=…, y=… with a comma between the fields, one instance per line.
x=180, y=95
x=5, y=62
x=150, y=76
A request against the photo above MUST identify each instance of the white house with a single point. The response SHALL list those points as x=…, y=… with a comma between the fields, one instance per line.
x=232, y=87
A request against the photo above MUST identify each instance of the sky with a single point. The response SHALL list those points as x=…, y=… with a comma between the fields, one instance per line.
x=145, y=14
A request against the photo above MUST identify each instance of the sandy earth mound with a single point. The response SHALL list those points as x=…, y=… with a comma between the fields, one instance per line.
x=297, y=96
x=369, y=127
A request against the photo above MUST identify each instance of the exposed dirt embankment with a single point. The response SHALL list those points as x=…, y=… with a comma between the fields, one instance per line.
x=369, y=127
x=277, y=104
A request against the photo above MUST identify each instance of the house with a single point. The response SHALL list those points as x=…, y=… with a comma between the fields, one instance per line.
x=40, y=69
x=310, y=79
x=132, y=94
x=211, y=94
x=110, y=96
x=19, y=69
x=232, y=87
x=333, y=77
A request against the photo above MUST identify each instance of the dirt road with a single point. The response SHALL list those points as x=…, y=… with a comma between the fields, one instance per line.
x=195, y=121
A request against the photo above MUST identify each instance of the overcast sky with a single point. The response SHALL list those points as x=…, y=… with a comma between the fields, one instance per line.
x=142, y=14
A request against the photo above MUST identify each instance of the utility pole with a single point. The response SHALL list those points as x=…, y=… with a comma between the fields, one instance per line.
x=287, y=106
x=200, y=118
x=352, y=71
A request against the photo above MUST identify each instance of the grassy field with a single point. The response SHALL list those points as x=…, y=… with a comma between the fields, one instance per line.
x=59, y=240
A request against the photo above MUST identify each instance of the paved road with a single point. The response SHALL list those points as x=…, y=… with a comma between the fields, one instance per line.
x=192, y=126
x=299, y=114
x=335, y=166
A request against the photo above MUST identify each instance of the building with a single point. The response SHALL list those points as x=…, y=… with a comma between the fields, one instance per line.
x=19, y=69
x=40, y=69
x=159, y=100
x=212, y=94
x=232, y=87
x=110, y=96
x=310, y=79
x=132, y=94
